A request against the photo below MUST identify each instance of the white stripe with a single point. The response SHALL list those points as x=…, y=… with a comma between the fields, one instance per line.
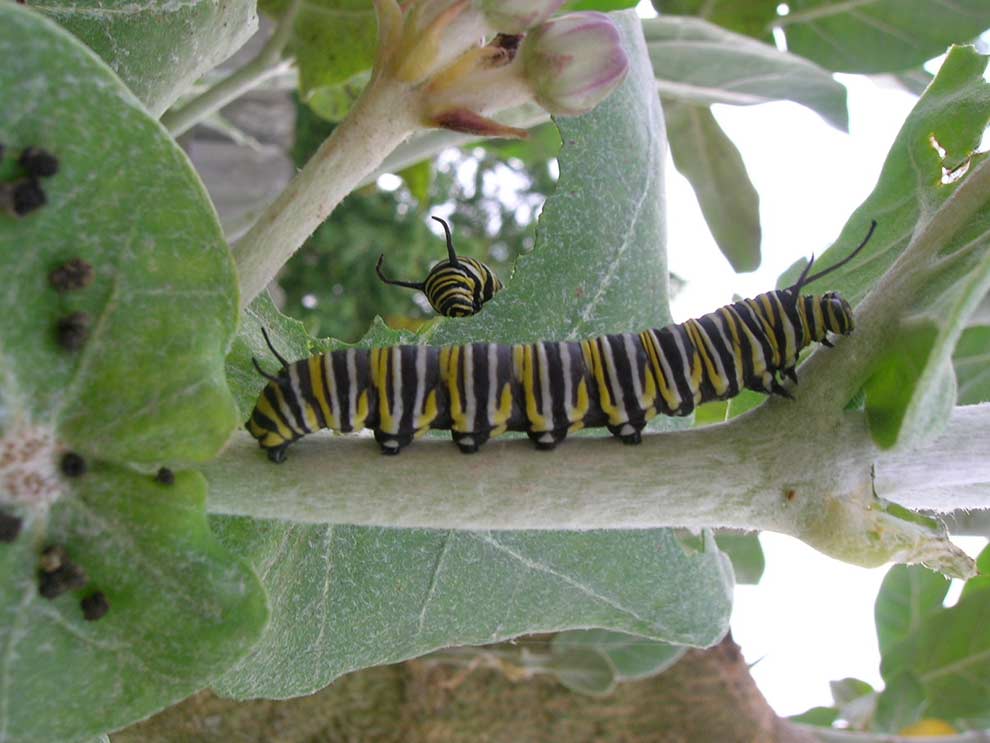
x=565, y=357
x=331, y=385
x=300, y=401
x=397, y=407
x=420, y=385
x=618, y=398
x=352, y=386
x=668, y=373
x=547, y=411
x=492, y=382
x=627, y=339
x=470, y=399
x=727, y=340
x=716, y=359
x=678, y=341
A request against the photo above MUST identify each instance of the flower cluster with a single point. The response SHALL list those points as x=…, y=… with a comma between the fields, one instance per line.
x=471, y=58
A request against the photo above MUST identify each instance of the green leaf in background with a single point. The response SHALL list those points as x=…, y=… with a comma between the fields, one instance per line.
x=632, y=657
x=418, y=179
x=982, y=580
x=752, y=18
x=908, y=594
x=347, y=597
x=698, y=62
x=818, y=716
x=582, y=669
x=947, y=653
x=880, y=35
x=705, y=155
x=901, y=703
x=159, y=49
x=603, y=6
x=145, y=386
x=745, y=552
x=971, y=359
x=332, y=40
x=848, y=690
x=182, y=608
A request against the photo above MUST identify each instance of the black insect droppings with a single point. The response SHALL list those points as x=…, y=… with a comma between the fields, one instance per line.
x=38, y=162
x=73, y=465
x=10, y=526
x=58, y=574
x=165, y=476
x=71, y=275
x=27, y=196
x=94, y=606
x=72, y=331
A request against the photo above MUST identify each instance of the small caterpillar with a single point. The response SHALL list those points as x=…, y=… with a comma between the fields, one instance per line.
x=549, y=389
x=456, y=287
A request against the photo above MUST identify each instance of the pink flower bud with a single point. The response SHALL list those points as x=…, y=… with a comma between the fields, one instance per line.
x=574, y=62
x=516, y=16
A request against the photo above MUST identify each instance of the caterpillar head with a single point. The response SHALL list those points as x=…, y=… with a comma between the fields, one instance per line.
x=837, y=313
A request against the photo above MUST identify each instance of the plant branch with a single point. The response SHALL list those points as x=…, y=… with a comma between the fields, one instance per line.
x=259, y=69
x=379, y=121
x=765, y=470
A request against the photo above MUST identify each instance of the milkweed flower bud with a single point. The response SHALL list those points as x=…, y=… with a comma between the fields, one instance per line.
x=516, y=16
x=574, y=62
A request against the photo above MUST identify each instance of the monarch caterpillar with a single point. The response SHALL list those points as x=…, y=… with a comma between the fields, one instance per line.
x=549, y=389
x=456, y=287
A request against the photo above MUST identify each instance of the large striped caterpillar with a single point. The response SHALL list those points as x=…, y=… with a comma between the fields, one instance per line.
x=549, y=389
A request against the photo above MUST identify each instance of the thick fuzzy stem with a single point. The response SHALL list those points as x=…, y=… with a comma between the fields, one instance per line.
x=380, y=120
x=753, y=473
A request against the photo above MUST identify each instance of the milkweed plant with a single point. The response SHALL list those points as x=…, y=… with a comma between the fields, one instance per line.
x=149, y=550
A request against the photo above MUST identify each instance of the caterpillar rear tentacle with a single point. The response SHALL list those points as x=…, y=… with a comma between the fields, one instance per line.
x=456, y=287
x=549, y=389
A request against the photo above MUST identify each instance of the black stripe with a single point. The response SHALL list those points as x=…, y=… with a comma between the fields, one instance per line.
x=711, y=325
x=306, y=388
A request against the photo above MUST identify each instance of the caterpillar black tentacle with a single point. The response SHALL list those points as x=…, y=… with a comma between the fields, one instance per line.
x=549, y=389
x=456, y=287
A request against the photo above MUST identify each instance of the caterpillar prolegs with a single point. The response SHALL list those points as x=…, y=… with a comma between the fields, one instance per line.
x=549, y=389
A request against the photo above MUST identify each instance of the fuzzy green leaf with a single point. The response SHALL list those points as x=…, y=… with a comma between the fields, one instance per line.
x=348, y=597
x=148, y=385
x=698, y=62
x=632, y=657
x=746, y=554
x=948, y=654
x=158, y=48
x=145, y=387
x=900, y=704
x=705, y=155
x=879, y=35
x=752, y=18
x=182, y=608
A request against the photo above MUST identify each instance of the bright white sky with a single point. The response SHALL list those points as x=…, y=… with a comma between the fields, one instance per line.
x=810, y=620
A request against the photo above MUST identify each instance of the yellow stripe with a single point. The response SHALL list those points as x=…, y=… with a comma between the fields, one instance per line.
x=653, y=352
x=598, y=370
x=698, y=339
x=380, y=364
x=537, y=421
x=459, y=421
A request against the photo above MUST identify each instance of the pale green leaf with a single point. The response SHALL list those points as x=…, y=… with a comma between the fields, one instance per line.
x=880, y=35
x=705, y=155
x=158, y=48
x=698, y=62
